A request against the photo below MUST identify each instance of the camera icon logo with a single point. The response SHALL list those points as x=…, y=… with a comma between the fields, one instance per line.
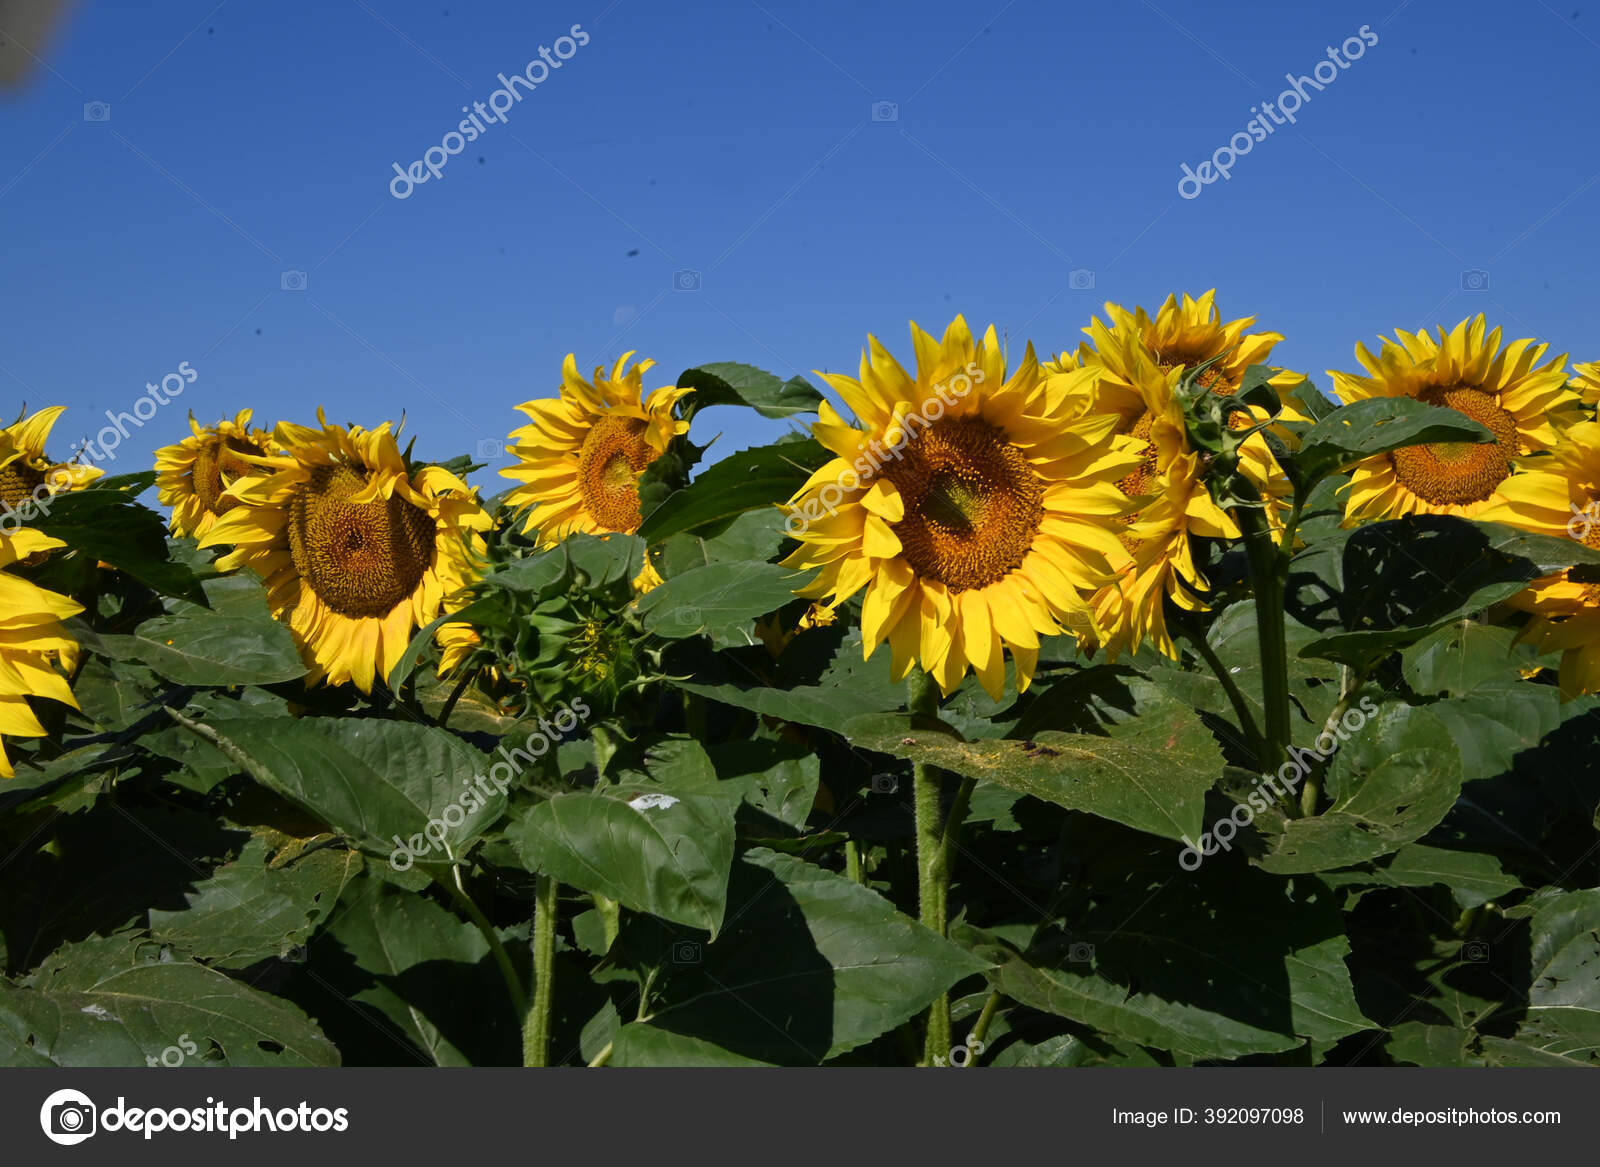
x=1080, y=279
x=1080, y=953
x=885, y=784
x=67, y=1117
x=885, y=111
x=491, y=447
x=686, y=281
x=1475, y=952
x=1474, y=280
x=293, y=281
x=97, y=111
x=687, y=951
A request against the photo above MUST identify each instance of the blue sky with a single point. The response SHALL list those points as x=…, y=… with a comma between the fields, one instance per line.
x=1023, y=142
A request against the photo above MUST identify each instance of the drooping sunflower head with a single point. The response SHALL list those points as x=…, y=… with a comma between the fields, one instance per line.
x=32, y=640
x=1524, y=403
x=26, y=471
x=580, y=457
x=358, y=549
x=1168, y=501
x=973, y=509
x=193, y=476
x=1189, y=333
x=1560, y=496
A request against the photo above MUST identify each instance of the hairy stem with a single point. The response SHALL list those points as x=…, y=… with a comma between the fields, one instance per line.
x=536, y=1024
x=1349, y=682
x=455, y=695
x=852, y=862
x=933, y=870
x=1268, y=572
x=980, y=1028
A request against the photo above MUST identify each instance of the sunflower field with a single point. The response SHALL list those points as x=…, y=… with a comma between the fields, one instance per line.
x=1142, y=705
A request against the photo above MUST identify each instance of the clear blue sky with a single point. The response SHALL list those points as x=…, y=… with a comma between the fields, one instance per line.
x=737, y=140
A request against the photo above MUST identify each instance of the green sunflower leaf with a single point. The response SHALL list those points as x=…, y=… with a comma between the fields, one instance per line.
x=111, y=1003
x=1151, y=773
x=730, y=383
x=1376, y=426
x=766, y=476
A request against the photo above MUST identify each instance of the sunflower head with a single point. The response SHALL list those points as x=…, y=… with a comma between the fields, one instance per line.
x=27, y=474
x=1523, y=402
x=357, y=547
x=1187, y=334
x=1559, y=495
x=193, y=476
x=34, y=646
x=1168, y=501
x=972, y=508
x=580, y=457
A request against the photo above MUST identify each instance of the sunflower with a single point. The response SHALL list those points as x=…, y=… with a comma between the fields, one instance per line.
x=1522, y=402
x=1560, y=496
x=193, y=475
x=26, y=471
x=1190, y=333
x=1586, y=381
x=580, y=457
x=357, y=549
x=456, y=642
x=974, y=510
x=32, y=639
x=1168, y=499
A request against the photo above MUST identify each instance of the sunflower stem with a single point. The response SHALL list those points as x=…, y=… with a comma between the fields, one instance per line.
x=502, y=958
x=1268, y=574
x=1350, y=681
x=933, y=871
x=536, y=1024
x=455, y=695
x=980, y=1028
x=852, y=862
x=1241, y=707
